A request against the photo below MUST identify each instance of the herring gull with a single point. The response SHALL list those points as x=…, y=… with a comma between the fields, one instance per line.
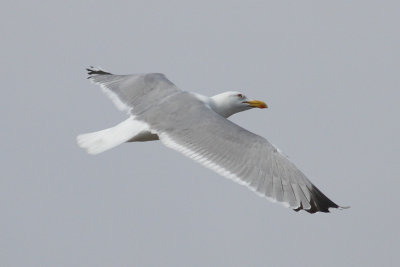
x=197, y=126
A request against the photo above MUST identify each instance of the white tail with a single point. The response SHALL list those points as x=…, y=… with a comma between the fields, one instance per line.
x=103, y=140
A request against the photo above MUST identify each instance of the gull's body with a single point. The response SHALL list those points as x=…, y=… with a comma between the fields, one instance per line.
x=196, y=126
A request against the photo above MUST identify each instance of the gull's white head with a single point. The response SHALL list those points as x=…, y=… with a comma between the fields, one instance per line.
x=229, y=103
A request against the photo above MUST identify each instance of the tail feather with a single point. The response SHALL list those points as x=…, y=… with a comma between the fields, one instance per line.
x=98, y=142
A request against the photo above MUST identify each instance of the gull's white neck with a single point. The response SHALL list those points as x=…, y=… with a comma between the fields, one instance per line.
x=218, y=104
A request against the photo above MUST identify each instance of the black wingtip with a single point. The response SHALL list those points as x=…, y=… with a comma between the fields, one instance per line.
x=319, y=203
x=91, y=71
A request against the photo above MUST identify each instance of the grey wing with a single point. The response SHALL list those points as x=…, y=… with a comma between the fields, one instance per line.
x=187, y=125
x=138, y=91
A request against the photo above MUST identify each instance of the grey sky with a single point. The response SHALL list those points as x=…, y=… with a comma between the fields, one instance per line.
x=328, y=71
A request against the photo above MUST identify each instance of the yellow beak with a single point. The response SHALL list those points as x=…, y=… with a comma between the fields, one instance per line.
x=256, y=104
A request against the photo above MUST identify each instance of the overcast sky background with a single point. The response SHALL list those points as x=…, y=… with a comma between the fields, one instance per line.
x=328, y=71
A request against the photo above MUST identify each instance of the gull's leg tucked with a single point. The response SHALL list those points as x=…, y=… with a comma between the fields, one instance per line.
x=103, y=140
x=144, y=136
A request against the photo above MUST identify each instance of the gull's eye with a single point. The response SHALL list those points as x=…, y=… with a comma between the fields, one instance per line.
x=240, y=95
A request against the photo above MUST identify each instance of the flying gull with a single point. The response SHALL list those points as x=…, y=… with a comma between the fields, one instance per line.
x=197, y=126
